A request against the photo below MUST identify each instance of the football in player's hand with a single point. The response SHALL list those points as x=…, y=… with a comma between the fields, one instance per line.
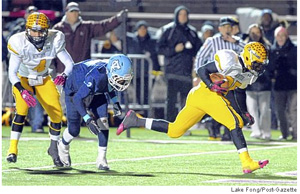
x=217, y=77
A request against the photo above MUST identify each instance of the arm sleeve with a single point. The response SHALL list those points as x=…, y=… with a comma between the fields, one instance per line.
x=204, y=71
x=67, y=60
x=14, y=64
x=240, y=99
x=59, y=41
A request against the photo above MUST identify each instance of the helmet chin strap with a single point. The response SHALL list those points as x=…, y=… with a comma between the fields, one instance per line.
x=241, y=60
x=38, y=45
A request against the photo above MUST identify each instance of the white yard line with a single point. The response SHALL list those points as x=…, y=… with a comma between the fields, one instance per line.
x=174, y=141
x=157, y=157
x=200, y=142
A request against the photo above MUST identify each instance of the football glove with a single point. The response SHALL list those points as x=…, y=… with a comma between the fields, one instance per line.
x=216, y=87
x=117, y=109
x=29, y=99
x=60, y=79
x=248, y=119
x=92, y=126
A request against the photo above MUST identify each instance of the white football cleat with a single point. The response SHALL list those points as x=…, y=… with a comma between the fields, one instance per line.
x=101, y=163
x=64, y=154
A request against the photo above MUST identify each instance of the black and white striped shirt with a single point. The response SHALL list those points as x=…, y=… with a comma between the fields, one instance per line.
x=212, y=45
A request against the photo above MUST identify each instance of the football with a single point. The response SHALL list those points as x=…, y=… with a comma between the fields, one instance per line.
x=215, y=77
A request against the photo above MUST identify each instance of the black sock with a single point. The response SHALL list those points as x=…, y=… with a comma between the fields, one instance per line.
x=141, y=122
x=238, y=138
x=160, y=125
x=103, y=138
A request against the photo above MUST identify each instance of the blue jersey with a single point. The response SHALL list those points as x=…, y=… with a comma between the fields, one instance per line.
x=88, y=78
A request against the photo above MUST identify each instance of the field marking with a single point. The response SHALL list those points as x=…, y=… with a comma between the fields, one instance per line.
x=201, y=142
x=177, y=141
x=156, y=157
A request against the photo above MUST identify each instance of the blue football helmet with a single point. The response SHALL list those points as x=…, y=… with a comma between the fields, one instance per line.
x=119, y=72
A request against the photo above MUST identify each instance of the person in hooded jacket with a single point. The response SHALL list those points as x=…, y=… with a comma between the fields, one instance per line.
x=179, y=44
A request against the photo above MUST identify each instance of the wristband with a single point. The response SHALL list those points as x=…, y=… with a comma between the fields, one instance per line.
x=19, y=86
x=86, y=117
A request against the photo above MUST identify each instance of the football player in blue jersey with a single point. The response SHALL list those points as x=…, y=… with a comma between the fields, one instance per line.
x=87, y=92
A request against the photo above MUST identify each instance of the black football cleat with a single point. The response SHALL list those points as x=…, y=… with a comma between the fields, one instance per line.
x=53, y=152
x=11, y=158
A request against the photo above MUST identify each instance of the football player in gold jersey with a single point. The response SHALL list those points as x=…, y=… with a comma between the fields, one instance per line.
x=210, y=98
x=31, y=54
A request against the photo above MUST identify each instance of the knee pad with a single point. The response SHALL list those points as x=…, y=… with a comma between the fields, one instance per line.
x=18, y=123
x=103, y=123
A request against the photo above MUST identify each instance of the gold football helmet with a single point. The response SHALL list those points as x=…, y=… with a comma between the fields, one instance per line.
x=255, y=57
x=37, y=22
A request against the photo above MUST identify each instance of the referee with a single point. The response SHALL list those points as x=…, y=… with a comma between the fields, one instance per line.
x=222, y=40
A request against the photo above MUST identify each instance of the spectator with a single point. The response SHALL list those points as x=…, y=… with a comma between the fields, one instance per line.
x=207, y=30
x=19, y=24
x=284, y=62
x=113, y=44
x=79, y=33
x=235, y=27
x=268, y=24
x=4, y=49
x=142, y=43
x=259, y=93
x=222, y=40
x=179, y=44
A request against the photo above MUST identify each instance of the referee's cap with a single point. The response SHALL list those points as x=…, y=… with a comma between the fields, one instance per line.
x=225, y=21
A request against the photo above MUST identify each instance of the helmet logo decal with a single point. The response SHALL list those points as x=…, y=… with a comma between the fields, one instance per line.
x=254, y=53
x=115, y=66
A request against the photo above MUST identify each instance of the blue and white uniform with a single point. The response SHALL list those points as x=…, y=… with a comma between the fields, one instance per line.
x=87, y=89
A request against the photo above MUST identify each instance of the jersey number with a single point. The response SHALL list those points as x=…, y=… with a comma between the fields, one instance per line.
x=41, y=66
